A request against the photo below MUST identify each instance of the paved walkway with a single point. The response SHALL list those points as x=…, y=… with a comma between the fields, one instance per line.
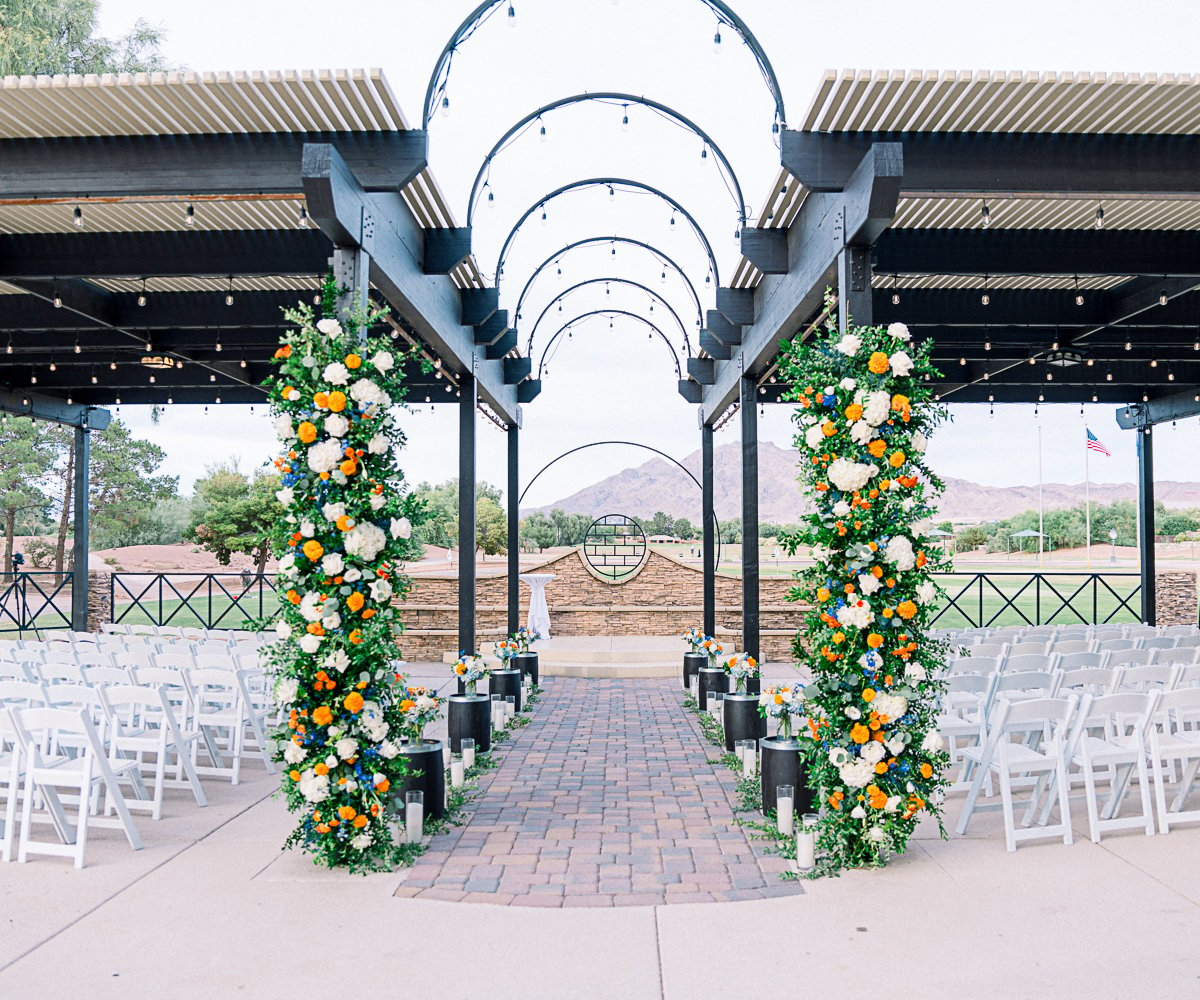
x=607, y=798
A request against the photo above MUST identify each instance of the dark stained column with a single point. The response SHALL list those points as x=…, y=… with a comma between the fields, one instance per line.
x=749, y=417
x=1145, y=438
x=514, y=528
x=709, y=529
x=467, y=641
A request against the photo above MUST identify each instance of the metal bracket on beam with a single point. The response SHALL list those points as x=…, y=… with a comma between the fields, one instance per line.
x=1178, y=406
x=703, y=370
x=498, y=348
x=516, y=369
x=767, y=249
x=736, y=305
x=529, y=390
x=491, y=329
x=714, y=347
x=53, y=410
x=722, y=329
x=478, y=304
x=693, y=392
x=445, y=249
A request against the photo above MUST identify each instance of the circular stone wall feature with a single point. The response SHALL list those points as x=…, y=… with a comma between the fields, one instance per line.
x=615, y=546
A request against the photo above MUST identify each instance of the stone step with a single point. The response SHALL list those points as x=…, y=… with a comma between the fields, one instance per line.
x=625, y=669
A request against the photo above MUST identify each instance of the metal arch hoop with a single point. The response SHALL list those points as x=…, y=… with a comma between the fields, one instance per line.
x=608, y=182
x=605, y=96
x=609, y=281
x=662, y=257
x=607, y=312
x=440, y=76
x=631, y=444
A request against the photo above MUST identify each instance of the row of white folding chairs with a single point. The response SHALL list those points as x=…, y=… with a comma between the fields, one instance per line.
x=1036, y=744
x=181, y=632
x=1042, y=633
x=105, y=641
x=1070, y=661
x=130, y=655
x=1075, y=645
x=119, y=669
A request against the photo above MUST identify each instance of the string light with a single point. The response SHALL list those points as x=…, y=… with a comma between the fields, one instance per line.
x=512, y=16
x=57, y=298
x=1128, y=345
x=1078, y=293
x=189, y=216
x=78, y=349
x=541, y=130
x=985, y=299
x=1099, y=216
x=1162, y=296
x=717, y=41
x=985, y=215
x=543, y=215
x=141, y=299
x=704, y=152
x=53, y=367
x=302, y=218
x=229, y=293
x=77, y=218
x=612, y=194
x=445, y=107
x=625, y=118
x=895, y=289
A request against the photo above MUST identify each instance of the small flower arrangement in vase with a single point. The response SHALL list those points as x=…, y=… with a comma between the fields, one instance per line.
x=419, y=706
x=741, y=668
x=785, y=704
x=712, y=649
x=525, y=637
x=470, y=669
x=505, y=650
x=694, y=637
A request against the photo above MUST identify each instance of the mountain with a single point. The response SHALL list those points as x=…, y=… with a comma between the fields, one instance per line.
x=661, y=485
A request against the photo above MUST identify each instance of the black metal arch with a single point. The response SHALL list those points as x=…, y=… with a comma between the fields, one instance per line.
x=435, y=90
x=608, y=281
x=570, y=324
x=605, y=97
x=610, y=182
x=662, y=257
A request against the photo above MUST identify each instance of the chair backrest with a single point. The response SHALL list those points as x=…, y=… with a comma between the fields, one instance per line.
x=189, y=632
x=1125, y=716
x=112, y=628
x=1070, y=647
x=215, y=661
x=16, y=671
x=1081, y=660
x=1176, y=708
x=170, y=631
x=134, y=658
x=107, y=675
x=178, y=661
x=1188, y=676
x=60, y=672
x=17, y=692
x=1095, y=681
x=1051, y=717
x=1185, y=655
x=1025, y=684
x=975, y=664
x=141, y=630
x=133, y=705
x=1027, y=647
x=1132, y=657
x=1028, y=661
x=1114, y=645
x=1160, y=642
x=30, y=655
x=1107, y=634
x=60, y=652
x=1153, y=676
x=997, y=649
x=39, y=727
x=214, y=688
x=92, y=658
x=1188, y=640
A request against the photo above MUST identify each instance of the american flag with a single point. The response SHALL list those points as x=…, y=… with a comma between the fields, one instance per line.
x=1095, y=444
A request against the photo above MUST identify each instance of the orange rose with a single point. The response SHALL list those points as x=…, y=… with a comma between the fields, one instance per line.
x=321, y=400
x=853, y=412
x=337, y=401
x=897, y=459
x=877, y=447
x=899, y=402
x=874, y=640
x=307, y=432
x=881, y=768
x=294, y=774
x=353, y=361
x=860, y=733
x=407, y=705
x=356, y=637
x=346, y=812
x=344, y=523
x=321, y=769
x=313, y=549
x=822, y=594
x=348, y=467
x=383, y=786
x=878, y=363
x=906, y=609
x=355, y=601
x=322, y=715
x=293, y=597
x=353, y=702
x=369, y=613
x=360, y=821
x=868, y=695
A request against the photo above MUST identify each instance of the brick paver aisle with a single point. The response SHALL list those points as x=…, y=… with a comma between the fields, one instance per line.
x=607, y=797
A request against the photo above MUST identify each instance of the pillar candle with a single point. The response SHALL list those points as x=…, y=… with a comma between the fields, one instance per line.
x=468, y=754
x=456, y=773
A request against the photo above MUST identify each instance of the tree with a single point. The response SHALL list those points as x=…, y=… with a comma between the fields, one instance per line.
x=537, y=532
x=969, y=539
x=27, y=458
x=660, y=524
x=235, y=513
x=1175, y=522
x=491, y=527
x=682, y=529
x=441, y=506
x=58, y=36
x=123, y=487
x=731, y=531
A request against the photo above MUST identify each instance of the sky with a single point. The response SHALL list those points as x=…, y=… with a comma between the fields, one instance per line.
x=619, y=383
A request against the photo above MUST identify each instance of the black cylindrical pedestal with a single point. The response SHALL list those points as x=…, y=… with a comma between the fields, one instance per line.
x=692, y=662
x=742, y=721
x=504, y=683
x=712, y=679
x=781, y=766
x=427, y=774
x=470, y=717
x=527, y=663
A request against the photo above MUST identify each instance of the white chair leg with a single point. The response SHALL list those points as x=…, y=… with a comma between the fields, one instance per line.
x=1064, y=800
x=1160, y=795
x=1010, y=833
x=1093, y=811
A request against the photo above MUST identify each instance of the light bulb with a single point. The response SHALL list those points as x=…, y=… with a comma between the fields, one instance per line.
x=1099, y=217
x=512, y=16
x=717, y=42
x=229, y=298
x=542, y=134
x=141, y=299
x=57, y=301
x=189, y=216
x=94, y=380
x=112, y=366
x=543, y=216
x=704, y=152
x=1162, y=297
x=612, y=193
x=625, y=122
x=302, y=218
x=1128, y=346
x=78, y=217
x=895, y=298
x=217, y=347
x=445, y=107
x=987, y=345
x=1079, y=298
x=1154, y=362
x=78, y=349
x=985, y=215
x=53, y=367
x=985, y=299
x=491, y=200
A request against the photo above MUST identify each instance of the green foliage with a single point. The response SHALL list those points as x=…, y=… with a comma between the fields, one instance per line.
x=731, y=531
x=555, y=528
x=234, y=513
x=660, y=523
x=123, y=488
x=58, y=36
x=440, y=523
x=491, y=527
x=684, y=530
x=969, y=539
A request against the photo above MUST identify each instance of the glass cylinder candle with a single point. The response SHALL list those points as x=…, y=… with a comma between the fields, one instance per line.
x=414, y=816
x=457, y=773
x=749, y=758
x=510, y=706
x=785, y=799
x=806, y=843
x=468, y=753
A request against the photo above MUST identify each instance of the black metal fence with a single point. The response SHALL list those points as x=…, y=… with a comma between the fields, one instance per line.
x=35, y=600
x=198, y=600
x=980, y=600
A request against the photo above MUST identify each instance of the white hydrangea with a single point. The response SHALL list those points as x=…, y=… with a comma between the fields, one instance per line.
x=286, y=689
x=861, y=432
x=336, y=373
x=310, y=607
x=365, y=541
x=310, y=643
x=378, y=501
x=283, y=630
x=876, y=407
x=372, y=723
x=307, y=529
x=337, y=425
x=331, y=621
x=367, y=393
x=901, y=364
x=873, y=752
x=916, y=673
x=898, y=330
x=361, y=842
x=848, y=384
x=283, y=427
x=401, y=527
x=287, y=565
x=858, y=774
x=332, y=511
x=346, y=747
x=849, y=345
x=337, y=660
x=333, y=564
x=868, y=584
x=877, y=834
x=314, y=787
x=378, y=445
x=919, y=442
x=893, y=804
x=857, y=615
x=814, y=437
x=841, y=508
x=848, y=476
x=926, y=592
x=325, y=455
x=383, y=362
x=330, y=327
x=388, y=750
x=285, y=496
x=900, y=552
x=293, y=753
x=895, y=746
x=933, y=742
x=891, y=705
x=820, y=553
x=858, y=812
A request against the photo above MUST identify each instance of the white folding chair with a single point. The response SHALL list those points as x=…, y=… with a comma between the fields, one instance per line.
x=1111, y=734
x=1071, y=647
x=982, y=665
x=1160, y=642
x=1188, y=641
x=1024, y=685
x=1132, y=657
x=175, y=660
x=223, y=706
x=1095, y=681
x=1114, y=645
x=145, y=724
x=112, y=628
x=1152, y=677
x=134, y=659
x=997, y=649
x=216, y=661
x=1025, y=740
x=13, y=695
x=1028, y=661
x=1171, y=744
x=59, y=673
x=962, y=717
x=98, y=676
x=1026, y=648
x=1081, y=659
x=48, y=774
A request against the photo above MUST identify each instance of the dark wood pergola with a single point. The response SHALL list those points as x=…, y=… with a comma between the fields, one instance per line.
x=1041, y=229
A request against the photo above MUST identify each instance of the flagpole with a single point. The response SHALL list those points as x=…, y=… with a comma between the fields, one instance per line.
x=1087, y=496
x=1041, y=511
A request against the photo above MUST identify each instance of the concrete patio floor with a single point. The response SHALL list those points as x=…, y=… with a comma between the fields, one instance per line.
x=212, y=908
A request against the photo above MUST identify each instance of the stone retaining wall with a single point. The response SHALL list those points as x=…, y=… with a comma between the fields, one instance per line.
x=662, y=598
x=1175, y=598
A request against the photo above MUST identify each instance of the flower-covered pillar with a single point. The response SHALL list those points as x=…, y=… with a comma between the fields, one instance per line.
x=864, y=412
